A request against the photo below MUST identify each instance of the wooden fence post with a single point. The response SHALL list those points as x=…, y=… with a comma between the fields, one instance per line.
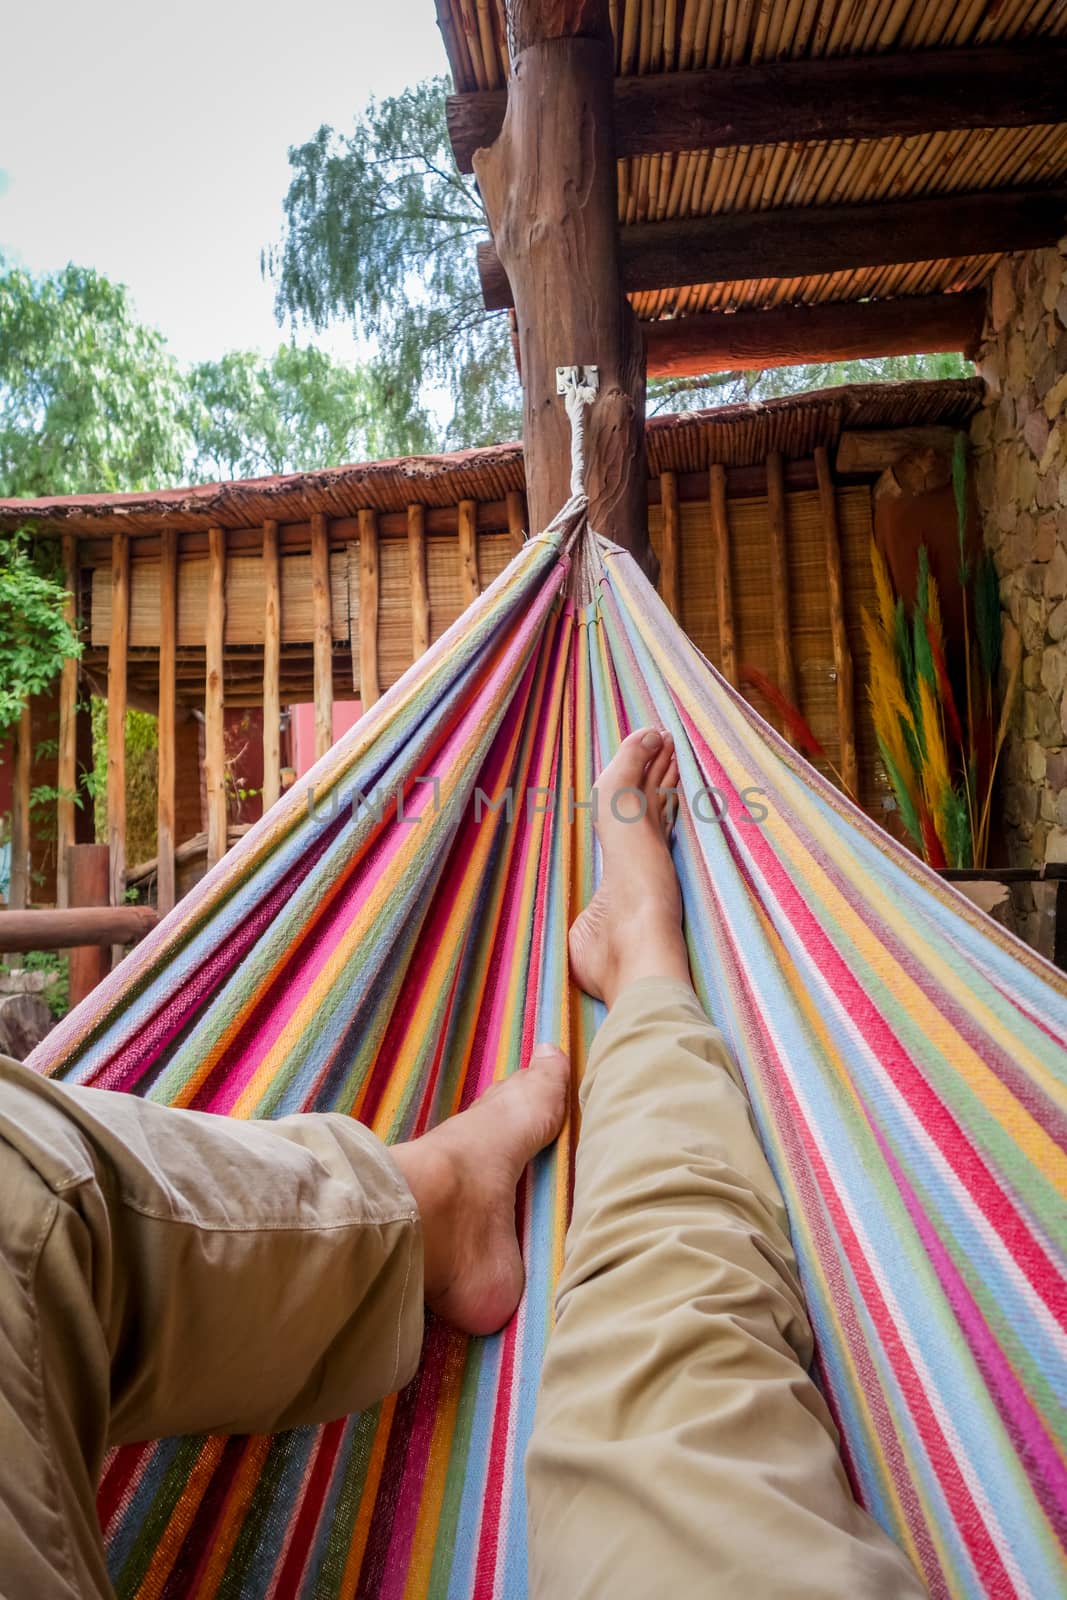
x=420, y=594
x=116, y=714
x=166, y=888
x=88, y=876
x=272, y=667
x=67, y=762
x=322, y=633
x=368, y=608
x=214, y=728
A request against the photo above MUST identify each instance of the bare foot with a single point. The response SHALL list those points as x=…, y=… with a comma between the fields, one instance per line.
x=463, y=1175
x=632, y=927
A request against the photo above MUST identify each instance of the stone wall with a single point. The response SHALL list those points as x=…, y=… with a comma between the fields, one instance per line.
x=1020, y=462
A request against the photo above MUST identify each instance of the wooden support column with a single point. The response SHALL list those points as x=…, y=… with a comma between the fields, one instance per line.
x=549, y=187
x=88, y=866
x=468, y=550
x=67, y=761
x=272, y=667
x=116, y=716
x=518, y=522
x=783, y=643
x=369, y=690
x=724, y=592
x=420, y=594
x=166, y=885
x=669, y=548
x=18, y=895
x=214, y=697
x=846, y=706
x=322, y=624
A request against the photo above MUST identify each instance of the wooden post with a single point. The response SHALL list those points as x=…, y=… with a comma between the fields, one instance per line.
x=783, y=644
x=18, y=896
x=116, y=715
x=166, y=887
x=368, y=608
x=67, y=762
x=272, y=667
x=518, y=522
x=214, y=728
x=846, y=706
x=322, y=634
x=468, y=550
x=669, y=550
x=420, y=594
x=549, y=187
x=724, y=593
x=89, y=878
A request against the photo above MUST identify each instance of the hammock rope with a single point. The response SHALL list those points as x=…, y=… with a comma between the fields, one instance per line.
x=905, y=1058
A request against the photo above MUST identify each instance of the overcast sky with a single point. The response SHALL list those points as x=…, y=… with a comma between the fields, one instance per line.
x=150, y=140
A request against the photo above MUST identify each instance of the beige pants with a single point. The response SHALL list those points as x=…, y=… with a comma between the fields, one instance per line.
x=680, y=1448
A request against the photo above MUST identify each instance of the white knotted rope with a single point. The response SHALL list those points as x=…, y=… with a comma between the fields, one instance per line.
x=577, y=396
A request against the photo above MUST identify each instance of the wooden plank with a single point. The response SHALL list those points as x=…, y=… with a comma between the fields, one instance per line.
x=89, y=875
x=214, y=698
x=369, y=682
x=18, y=894
x=74, y=926
x=166, y=882
x=67, y=759
x=518, y=521
x=468, y=550
x=420, y=593
x=669, y=546
x=322, y=634
x=867, y=97
x=685, y=347
x=724, y=593
x=777, y=519
x=272, y=667
x=116, y=716
x=843, y=666
x=805, y=241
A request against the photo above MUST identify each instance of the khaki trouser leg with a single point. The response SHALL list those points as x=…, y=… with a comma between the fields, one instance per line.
x=167, y=1272
x=680, y=1448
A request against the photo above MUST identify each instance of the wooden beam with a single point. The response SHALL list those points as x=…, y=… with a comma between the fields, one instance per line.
x=214, y=697
x=468, y=551
x=791, y=102
x=89, y=874
x=843, y=673
x=166, y=881
x=724, y=593
x=67, y=759
x=420, y=594
x=802, y=241
x=777, y=518
x=272, y=667
x=549, y=188
x=74, y=926
x=322, y=633
x=871, y=451
x=116, y=716
x=369, y=690
x=518, y=522
x=669, y=551
x=18, y=894
x=686, y=347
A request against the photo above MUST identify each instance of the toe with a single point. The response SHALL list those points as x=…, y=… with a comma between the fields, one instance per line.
x=659, y=766
x=627, y=766
x=547, y=1080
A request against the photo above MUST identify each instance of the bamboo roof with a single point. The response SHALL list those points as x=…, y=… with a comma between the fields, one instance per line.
x=679, y=36
x=734, y=436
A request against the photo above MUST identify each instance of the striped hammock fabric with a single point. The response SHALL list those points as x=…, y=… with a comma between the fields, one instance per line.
x=391, y=938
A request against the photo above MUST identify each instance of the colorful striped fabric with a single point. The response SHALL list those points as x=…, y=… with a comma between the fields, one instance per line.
x=390, y=958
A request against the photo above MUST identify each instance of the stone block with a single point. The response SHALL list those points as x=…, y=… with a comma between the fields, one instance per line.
x=1060, y=814
x=1054, y=670
x=1032, y=672
x=1056, y=397
x=1036, y=431
x=1028, y=717
x=982, y=428
x=1061, y=306
x=1047, y=492
x=1055, y=450
x=1049, y=723
x=1055, y=572
x=1017, y=363
x=1045, y=539
x=1034, y=624
x=1002, y=297
x=1035, y=772
x=1054, y=279
x=1056, y=769
x=1047, y=804
x=1056, y=846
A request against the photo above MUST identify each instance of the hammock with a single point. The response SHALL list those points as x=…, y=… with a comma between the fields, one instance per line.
x=905, y=1060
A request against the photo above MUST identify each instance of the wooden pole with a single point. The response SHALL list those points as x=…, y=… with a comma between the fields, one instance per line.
x=843, y=670
x=272, y=667
x=669, y=547
x=116, y=715
x=18, y=896
x=322, y=626
x=783, y=643
x=724, y=593
x=214, y=727
x=368, y=608
x=549, y=187
x=518, y=522
x=67, y=762
x=75, y=926
x=89, y=879
x=468, y=550
x=166, y=883
x=420, y=594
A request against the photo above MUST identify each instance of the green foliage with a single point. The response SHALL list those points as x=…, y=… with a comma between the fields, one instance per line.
x=292, y=412
x=56, y=968
x=142, y=780
x=89, y=397
x=988, y=617
x=35, y=636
